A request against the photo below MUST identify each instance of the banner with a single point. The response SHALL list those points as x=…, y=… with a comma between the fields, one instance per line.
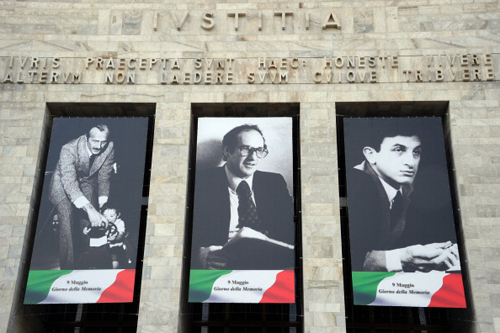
x=403, y=244
x=243, y=240
x=87, y=231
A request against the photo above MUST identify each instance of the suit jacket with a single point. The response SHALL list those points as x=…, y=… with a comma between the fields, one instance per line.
x=73, y=177
x=370, y=226
x=211, y=213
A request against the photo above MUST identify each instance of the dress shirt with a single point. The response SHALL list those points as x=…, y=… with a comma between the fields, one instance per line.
x=233, y=182
x=393, y=263
x=82, y=201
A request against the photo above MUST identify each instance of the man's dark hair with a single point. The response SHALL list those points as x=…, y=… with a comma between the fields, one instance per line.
x=230, y=139
x=381, y=128
x=100, y=127
x=110, y=206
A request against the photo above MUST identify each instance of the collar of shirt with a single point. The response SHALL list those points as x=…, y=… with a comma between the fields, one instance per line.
x=88, y=150
x=390, y=191
x=234, y=180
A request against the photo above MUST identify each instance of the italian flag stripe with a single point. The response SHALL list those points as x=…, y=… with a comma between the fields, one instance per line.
x=242, y=286
x=39, y=283
x=80, y=286
x=122, y=291
x=418, y=289
x=201, y=283
x=365, y=286
x=282, y=291
x=451, y=295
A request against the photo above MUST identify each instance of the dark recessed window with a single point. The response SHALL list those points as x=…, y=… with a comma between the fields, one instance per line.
x=244, y=317
x=364, y=318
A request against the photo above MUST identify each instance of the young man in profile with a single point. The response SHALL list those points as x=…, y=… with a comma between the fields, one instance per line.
x=379, y=191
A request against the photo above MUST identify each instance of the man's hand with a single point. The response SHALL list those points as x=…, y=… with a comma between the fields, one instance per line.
x=211, y=260
x=435, y=256
x=96, y=219
x=247, y=232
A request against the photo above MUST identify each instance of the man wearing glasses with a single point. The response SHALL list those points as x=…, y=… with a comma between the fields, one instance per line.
x=235, y=202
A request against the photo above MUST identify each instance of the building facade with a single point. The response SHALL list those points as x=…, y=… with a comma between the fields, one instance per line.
x=318, y=62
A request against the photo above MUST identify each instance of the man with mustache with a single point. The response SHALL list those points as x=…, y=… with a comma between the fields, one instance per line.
x=79, y=187
x=379, y=192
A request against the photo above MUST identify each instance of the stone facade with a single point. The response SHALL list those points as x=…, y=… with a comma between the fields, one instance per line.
x=70, y=38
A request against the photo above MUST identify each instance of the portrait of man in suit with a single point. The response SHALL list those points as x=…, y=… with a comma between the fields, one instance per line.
x=79, y=187
x=384, y=233
x=243, y=218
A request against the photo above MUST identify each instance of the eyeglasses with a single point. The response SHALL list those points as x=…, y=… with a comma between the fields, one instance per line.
x=247, y=150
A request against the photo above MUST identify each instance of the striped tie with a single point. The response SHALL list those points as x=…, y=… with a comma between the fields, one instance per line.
x=247, y=212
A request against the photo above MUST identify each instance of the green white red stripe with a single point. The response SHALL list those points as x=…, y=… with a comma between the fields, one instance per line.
x=80, y=286
x=241, y=286
x=418, y=289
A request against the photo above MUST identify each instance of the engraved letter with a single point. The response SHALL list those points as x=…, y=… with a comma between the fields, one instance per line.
x=180, y=23
x=283, y=15
x=236, y=16
x=331, y=21
x=208, y=21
